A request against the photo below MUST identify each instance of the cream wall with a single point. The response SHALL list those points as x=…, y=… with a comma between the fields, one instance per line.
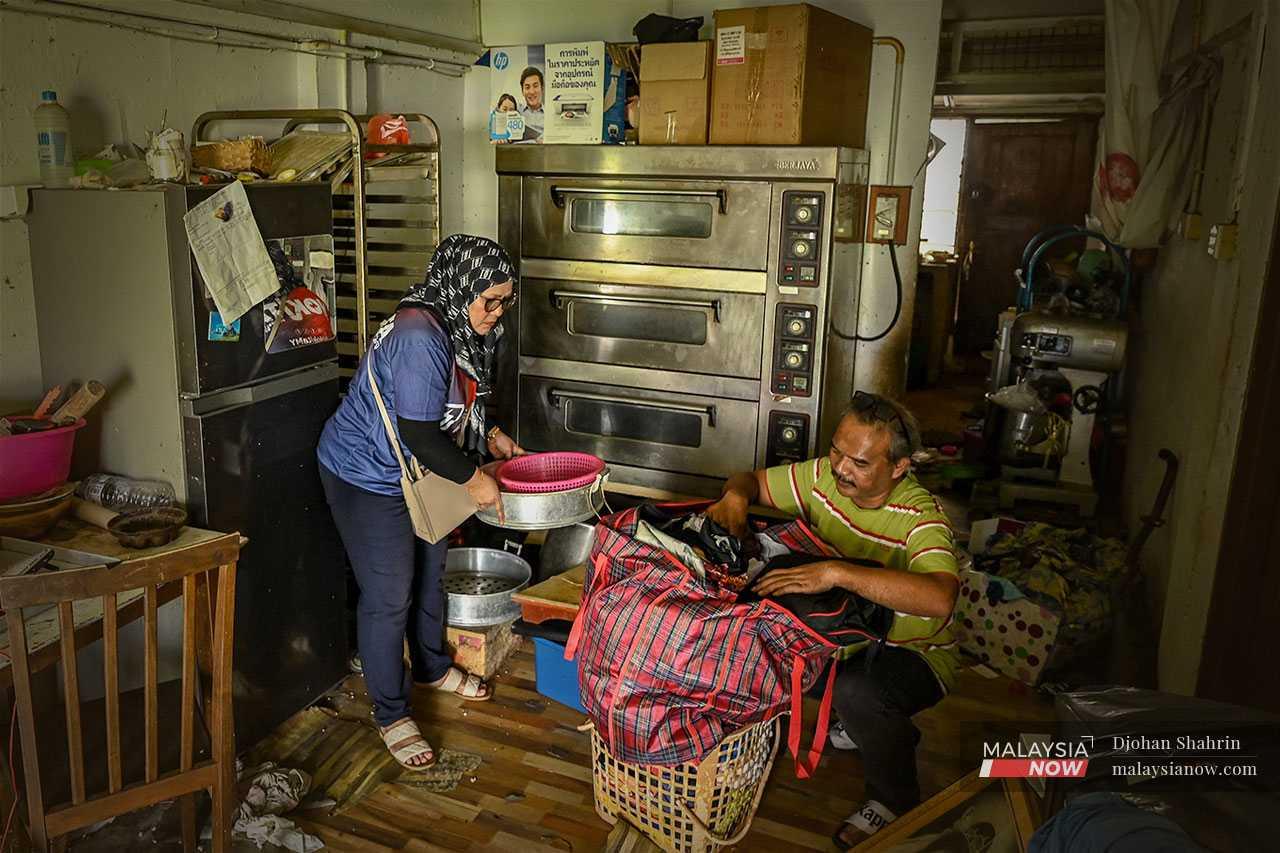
x=118, y=83
x=1192, y=340
x=915, y=22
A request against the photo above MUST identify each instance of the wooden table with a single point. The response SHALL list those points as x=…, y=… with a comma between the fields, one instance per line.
x=42, y=625
x=557, y=597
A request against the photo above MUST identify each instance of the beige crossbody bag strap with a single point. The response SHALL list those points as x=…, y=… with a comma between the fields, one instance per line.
x=394, y=438
x=436, y=505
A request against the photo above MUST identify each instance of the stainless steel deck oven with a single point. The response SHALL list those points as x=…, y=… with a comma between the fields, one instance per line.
x=677, y=303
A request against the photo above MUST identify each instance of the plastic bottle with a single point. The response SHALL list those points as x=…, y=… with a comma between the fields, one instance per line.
x=53, y=138
x=120, y=493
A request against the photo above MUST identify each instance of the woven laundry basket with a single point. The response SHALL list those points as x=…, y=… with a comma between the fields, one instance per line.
x=690, y=807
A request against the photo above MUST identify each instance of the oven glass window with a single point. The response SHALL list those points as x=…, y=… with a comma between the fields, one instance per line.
x=615, y=420
x=639, y=323
x=641, y=218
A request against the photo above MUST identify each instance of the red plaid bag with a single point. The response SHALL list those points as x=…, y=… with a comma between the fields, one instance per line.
x=670, y=663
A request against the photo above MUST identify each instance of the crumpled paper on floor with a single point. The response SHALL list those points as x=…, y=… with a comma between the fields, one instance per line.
x=275, y=791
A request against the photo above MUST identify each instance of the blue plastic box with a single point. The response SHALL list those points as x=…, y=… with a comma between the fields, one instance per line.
x=557, y=678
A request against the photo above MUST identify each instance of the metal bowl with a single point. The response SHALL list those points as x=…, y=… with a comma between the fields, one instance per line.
x=548, y=510
x=565, y=547
x=479, y=583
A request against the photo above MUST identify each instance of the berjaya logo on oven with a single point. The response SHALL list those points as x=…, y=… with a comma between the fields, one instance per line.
x=810, y=165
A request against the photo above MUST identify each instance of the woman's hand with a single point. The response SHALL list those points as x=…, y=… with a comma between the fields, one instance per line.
x=503, y=446
x=483, y=489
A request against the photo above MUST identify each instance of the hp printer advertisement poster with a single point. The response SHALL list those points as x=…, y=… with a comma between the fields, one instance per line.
x=553, y=93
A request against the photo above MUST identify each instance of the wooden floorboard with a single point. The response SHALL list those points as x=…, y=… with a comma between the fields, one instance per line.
x=531, y=790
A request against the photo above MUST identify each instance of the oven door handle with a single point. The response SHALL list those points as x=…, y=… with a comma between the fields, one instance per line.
x=554, y=395
x=559, y=298
x=558, y=193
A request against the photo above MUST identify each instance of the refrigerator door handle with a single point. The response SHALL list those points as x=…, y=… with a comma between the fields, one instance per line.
x=234, y=398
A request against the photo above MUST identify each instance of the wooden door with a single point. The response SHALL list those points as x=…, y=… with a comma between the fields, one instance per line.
x=1238, y=660
x=1018, y=179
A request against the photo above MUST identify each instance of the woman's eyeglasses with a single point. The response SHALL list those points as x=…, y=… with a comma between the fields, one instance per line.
x=503, y=302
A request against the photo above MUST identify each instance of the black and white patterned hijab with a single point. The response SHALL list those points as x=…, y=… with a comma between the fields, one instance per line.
x=461, y=269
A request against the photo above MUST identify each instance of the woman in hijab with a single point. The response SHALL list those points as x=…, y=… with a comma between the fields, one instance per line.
x=432, y=361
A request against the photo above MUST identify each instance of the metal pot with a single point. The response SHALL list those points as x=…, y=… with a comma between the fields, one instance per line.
x=547, y=510
x=565, y=547
x=480, y=582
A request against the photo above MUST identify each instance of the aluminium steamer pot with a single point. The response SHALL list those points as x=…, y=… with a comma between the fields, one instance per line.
x=479, y=583
x=543, y=511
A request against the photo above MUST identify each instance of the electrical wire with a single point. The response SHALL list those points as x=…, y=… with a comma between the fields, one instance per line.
x=897, y=308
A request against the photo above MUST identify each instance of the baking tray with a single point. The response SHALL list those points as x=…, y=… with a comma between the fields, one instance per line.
x=13, y=550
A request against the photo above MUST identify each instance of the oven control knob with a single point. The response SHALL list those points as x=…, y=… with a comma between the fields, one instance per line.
x=800, y=248
x=804, y=213
x=795, y=327
x=793, y=359
x=790, y=435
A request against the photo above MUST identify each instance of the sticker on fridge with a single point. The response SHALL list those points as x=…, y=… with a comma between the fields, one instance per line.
x=221, y=332
x=295, y=316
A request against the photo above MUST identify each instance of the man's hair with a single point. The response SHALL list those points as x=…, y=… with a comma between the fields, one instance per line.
x=876, y=411
x=531, y=71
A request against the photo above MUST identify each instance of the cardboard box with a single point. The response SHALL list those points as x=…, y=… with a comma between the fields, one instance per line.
x=675, y=93
x=789, y=75
x=556, y=93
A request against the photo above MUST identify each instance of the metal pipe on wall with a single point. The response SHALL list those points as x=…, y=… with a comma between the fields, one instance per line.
x=900, y=58
x=226, y=36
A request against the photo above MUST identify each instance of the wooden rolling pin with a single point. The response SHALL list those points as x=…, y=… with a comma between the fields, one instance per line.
x=80, y=403
x=97, y=515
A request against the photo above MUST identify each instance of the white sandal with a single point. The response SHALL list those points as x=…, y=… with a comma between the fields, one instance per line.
x=470, y=687
x=871, y=817
x=405, y=742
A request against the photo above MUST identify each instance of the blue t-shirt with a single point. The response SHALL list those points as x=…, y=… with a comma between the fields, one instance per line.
x=412, y=359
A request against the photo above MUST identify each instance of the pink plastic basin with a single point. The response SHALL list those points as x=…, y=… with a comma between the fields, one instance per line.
x=36, y=462
x=540, y=473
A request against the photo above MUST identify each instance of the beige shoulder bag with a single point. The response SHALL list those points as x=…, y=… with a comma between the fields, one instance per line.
x=436, y=504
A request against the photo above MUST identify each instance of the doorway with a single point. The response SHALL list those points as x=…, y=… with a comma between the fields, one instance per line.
x=1020, y=176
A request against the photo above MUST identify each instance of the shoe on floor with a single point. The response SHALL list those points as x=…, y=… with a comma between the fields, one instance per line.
x=840, y=738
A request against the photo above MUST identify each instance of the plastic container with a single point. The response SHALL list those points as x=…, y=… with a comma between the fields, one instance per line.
x=53, y=141
x=36, y=462
x=555, y=677
x=121, y=493
x=542, y=473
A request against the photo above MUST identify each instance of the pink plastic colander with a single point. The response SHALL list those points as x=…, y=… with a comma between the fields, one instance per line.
x=539, y=473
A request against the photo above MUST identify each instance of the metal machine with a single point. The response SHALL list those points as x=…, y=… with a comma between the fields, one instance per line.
x=1062, y=362
x=229, y=420
x=677, y=304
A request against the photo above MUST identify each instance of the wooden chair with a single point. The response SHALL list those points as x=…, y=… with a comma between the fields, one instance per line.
x=215, y=558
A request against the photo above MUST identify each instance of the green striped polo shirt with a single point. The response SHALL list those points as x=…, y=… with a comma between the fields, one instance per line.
x=909, y=533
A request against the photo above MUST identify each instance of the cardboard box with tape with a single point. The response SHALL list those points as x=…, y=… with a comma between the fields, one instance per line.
x=675, y=93
x=789, y=75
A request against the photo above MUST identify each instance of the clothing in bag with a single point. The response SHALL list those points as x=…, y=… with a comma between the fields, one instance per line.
x=670, y=662
x=436, y=505
x=843, y=617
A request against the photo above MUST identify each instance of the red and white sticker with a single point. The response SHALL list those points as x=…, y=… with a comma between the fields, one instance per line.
x=300, y=319
x=731, y=45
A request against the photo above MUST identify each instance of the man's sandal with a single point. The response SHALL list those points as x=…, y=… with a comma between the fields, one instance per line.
x=464, y=684
x=405, y=742
x=871, y=817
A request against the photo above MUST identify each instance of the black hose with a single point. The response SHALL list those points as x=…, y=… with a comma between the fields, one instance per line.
x=897, y=309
